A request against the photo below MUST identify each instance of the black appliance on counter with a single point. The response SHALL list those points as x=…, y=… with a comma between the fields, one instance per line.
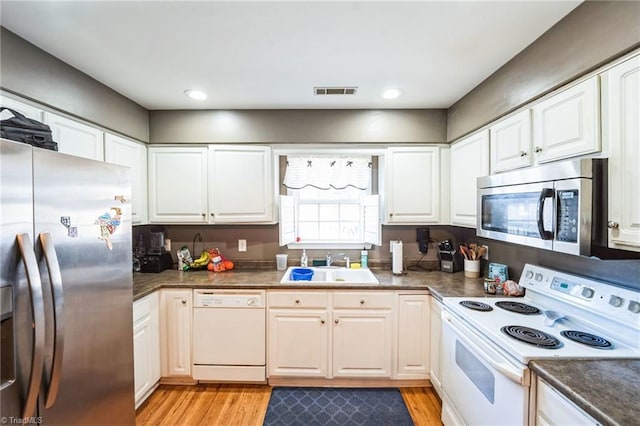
x=153, y=258
x=156, y=262
x=450, y=259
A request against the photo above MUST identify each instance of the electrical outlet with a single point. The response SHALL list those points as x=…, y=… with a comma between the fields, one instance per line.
x=242, y=245
x=485, y=256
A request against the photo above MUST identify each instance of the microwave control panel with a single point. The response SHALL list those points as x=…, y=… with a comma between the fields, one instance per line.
x=568, y=215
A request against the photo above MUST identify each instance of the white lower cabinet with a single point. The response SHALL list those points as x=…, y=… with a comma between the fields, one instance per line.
x=347, y=334
x=146, y=346
x=298, y=342
x=412, y=338
x=554, y=409
x=435, y=339
x=176, y=313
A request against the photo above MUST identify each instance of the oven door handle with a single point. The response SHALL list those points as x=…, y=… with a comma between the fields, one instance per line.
x=544, y=194
x=464, y=334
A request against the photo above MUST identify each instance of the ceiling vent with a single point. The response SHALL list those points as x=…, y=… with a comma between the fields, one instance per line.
x=335, y=90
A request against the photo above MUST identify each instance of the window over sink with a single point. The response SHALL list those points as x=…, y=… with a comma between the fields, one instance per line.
x=329, y=202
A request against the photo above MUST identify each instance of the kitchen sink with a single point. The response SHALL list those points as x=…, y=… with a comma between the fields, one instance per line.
x=326, y=275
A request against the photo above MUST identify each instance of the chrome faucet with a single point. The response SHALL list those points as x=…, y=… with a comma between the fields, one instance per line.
x=339, y=256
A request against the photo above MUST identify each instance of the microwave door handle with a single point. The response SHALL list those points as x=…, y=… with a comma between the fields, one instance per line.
x=544, y=194
x=55, y=278
x=37, y=311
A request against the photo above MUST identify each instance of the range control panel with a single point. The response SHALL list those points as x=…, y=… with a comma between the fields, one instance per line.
x=596, y=296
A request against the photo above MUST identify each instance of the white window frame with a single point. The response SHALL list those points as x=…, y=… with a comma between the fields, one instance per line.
x=372, y=230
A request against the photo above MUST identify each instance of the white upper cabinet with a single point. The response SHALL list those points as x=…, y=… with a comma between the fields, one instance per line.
x=131, y=154
x=511, y=143
x=412, y=185
x=568, y=124
x=621, y=129
x=240, y=184
x=469, y=160
x=21, y=107
x=76, y=138
x=178, y=184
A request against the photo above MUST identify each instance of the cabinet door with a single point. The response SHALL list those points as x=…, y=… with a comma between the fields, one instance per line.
x=240, y=184
x=435, y=343
x=413, y=336
x=469, y=160
x=555, y=409
x=175, y=332
x=142, y=348
x=124, y=152
x=621, y=128
x=75, y=138
x=177, y=184
x=568, y=124
x=361, y=343
x=412, y=185
x=146, y=346
x=23, y=108
x=298, y=343
x=511, y=143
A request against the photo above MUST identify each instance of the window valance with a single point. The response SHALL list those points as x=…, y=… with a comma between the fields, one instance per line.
x=328, y=172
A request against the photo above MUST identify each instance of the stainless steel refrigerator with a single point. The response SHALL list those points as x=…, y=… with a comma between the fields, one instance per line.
x=65, y=289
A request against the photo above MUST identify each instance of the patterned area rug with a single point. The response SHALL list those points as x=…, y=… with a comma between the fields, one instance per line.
x=336, y=407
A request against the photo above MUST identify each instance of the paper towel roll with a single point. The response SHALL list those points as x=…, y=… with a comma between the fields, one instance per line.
x=396, y=257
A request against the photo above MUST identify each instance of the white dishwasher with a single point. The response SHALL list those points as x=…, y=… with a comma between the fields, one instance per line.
x=229, y=335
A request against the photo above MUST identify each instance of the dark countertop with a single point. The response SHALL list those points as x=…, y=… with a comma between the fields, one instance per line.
x=440, y=284
x=608, y=390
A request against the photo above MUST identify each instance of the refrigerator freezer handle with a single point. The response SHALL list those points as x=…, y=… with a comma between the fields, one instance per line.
x=55, y=278
x=37, y=310
x=544, y=194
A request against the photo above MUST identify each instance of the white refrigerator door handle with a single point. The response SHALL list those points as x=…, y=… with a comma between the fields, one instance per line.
x=55, y=280
x=37, y=311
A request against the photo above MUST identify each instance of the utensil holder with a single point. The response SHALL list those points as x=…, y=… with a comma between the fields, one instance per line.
x=471, y=268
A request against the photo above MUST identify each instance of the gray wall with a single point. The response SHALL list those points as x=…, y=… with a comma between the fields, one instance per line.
x=30, y=72
x=594, y=33
x=298, y=126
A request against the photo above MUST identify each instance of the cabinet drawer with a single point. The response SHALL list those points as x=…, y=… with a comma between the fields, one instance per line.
x=363, y=299
x=141, y=309
x=298, y=299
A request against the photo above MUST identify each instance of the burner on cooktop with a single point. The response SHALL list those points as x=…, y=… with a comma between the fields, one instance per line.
x=532, y=336
x=587, y=339
x=517, y=307
x=476, y=306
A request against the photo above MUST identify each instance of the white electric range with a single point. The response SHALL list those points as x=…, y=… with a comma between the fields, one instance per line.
x=487, y=342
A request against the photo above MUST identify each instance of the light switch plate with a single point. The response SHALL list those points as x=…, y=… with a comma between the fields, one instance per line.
x=242, y=245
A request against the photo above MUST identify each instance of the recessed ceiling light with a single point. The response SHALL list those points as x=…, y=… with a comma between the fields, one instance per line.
x=391, y=93
x=196, y=94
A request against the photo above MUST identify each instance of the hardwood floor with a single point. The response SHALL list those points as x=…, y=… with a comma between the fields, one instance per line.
x=246, y=405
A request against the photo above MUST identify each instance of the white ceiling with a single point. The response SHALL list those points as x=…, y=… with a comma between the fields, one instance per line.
x=270, y=54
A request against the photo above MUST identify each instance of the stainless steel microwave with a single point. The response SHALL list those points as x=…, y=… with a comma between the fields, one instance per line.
x=558, y=206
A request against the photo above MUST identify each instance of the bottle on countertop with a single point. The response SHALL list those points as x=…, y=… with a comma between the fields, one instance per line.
x=304, y=260
x=364, y=262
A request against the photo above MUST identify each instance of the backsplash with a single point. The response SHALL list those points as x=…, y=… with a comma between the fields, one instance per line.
x=625, y=273
x=262, y=243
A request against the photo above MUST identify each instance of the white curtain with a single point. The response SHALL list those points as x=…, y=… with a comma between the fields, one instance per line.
x=326, y=172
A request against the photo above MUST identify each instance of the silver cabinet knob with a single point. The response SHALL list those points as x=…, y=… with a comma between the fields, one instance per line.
x=184, y=302
x=204, y=215
x=523, y=154
x=297, y=301
x=212, y=214
x=613, y=225
x=322, y=321
x=336, y=321
x=362, y=301
x=538, y=149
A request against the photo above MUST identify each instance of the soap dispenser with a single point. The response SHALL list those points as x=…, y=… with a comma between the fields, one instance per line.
x=304, y=261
